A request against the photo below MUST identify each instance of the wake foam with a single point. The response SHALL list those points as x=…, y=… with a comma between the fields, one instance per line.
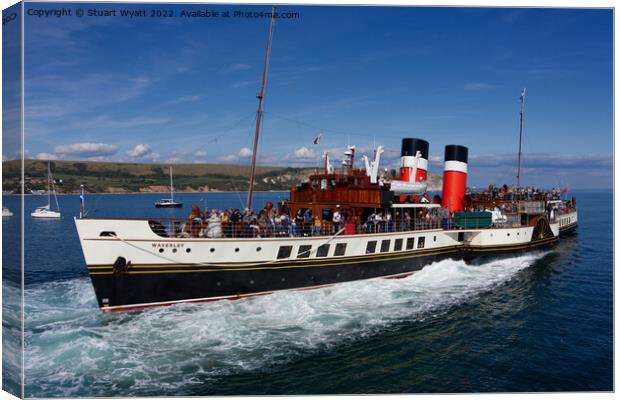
x=75, y=350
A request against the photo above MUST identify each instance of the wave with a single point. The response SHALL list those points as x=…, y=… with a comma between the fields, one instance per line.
x=72, y=349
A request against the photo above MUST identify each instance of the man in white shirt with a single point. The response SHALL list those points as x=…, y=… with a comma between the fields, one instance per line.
x=337, y=219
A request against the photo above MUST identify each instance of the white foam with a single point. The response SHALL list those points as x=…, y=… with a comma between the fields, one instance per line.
x=73, y=349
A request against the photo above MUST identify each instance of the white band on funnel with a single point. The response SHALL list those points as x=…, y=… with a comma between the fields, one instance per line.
x=407, y=161
x=457, y=166
x=423, y=164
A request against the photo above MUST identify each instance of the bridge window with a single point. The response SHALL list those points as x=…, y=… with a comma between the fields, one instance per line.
x=322, y=250
x=398, y=244
x=284, y=252
x=107, y=234
x=341, y=248
x=385, y=246
x=371, y=247
x=304, y=251
x=421, y=242
x=410, y=243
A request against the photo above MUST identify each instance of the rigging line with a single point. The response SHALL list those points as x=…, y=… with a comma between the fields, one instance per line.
x=324, y=129
x=312, y=251
x=225, y=132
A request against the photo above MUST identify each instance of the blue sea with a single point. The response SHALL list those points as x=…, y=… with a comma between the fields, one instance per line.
x=535, y=322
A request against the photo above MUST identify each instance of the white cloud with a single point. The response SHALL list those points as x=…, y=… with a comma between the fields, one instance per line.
x=86, y=149
x=238, y=67
x=185, y=99
x=200, y=154
x=140, y=150
x=245, y=152
x=228, y=158
x=98, y=158
x=173, y=160
x=46, y=156
x=478, y=86
x=244, y=83
x=304, y=152
x=152, y=156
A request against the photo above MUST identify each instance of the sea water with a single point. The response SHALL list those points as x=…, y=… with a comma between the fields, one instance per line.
x=540, y=321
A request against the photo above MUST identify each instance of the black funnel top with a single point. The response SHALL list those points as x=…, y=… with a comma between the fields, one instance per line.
x=411, y=145
x=454, y=152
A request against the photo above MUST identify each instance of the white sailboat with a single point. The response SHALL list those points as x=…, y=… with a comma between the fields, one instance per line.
x=6, y=212
x=169, y=203
x=46, y=210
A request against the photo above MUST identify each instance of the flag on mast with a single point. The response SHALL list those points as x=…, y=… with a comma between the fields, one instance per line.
x=317, y=140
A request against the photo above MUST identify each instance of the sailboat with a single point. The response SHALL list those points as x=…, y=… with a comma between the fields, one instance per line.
x=169, y=203
x=46, y=211
x=6, y=212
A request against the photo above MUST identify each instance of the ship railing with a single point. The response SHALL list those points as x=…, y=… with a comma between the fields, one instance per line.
x=181, y=229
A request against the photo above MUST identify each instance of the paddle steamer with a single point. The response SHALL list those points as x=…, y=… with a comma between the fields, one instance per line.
x=364, y=224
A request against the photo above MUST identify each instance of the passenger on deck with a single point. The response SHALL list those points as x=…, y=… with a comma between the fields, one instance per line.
x=195, y=222
x=337, y=219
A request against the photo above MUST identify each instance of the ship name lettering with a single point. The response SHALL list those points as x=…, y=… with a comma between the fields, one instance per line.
x=158, y=245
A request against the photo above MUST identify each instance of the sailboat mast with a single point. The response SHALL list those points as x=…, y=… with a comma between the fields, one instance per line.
x=260, y=107
x=49, y=199
x=520, y=138
x=171, y=192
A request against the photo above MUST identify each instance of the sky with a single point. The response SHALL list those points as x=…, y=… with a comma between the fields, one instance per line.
x=183, y=90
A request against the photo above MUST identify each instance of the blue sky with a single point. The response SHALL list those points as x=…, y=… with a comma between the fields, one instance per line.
x=183, y=90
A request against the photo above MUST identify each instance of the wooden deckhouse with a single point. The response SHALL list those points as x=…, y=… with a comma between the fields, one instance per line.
x=351, y=192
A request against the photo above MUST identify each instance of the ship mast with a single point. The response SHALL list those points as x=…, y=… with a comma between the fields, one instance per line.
x=520, y=138
x=260, y=107
x=171, y=191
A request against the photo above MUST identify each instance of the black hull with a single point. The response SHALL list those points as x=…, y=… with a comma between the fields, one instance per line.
x=175, y=205
x=155, y=285
x=568, y=229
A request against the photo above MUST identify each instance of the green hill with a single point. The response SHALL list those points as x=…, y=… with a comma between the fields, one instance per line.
x=112, y=177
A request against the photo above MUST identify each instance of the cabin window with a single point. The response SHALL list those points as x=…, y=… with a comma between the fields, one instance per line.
x=157, y=228
x=341, y=248
x=284, y=252
x=322, y=250
x=304, y=251
x=398, y=244
x=371, y=247
x=434, y=238
x=410, y=243
x=107, y=234
x=421, y=242
x=462, y=236
x=323, y=184
x=332, y=183
x=385, y=246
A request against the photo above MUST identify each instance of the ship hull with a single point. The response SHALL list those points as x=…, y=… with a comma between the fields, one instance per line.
x=166, y=284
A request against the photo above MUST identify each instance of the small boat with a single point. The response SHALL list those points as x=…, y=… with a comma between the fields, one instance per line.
x=46, y=210
x=169, y=203
x=6, y=212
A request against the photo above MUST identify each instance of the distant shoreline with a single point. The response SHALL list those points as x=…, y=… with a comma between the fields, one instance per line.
x=134, y=193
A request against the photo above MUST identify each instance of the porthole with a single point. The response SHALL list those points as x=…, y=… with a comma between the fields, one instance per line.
x=259, y=248
x=212, y=250
x=174, y=250
x=251, y=282
x=161, y=250
x=508, y=234
x=237, y=250
x=188, y=250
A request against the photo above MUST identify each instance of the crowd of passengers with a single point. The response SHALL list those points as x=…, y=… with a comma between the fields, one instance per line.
x=271, y=222
x=506, y=192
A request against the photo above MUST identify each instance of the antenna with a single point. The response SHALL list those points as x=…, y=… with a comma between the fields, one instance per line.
x=520, y=138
